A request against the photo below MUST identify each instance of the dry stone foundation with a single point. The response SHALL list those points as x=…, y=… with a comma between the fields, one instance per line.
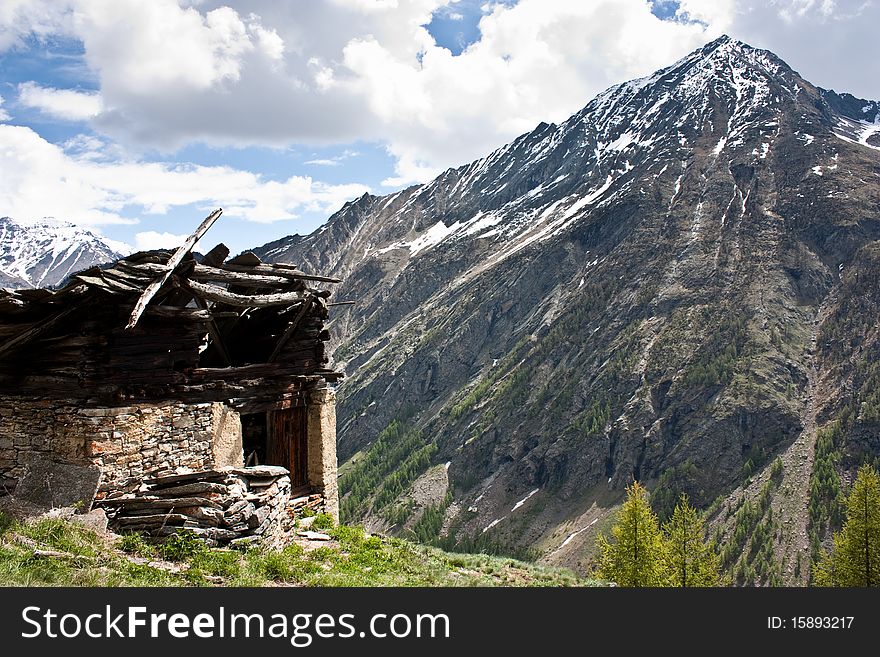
x=229, y=506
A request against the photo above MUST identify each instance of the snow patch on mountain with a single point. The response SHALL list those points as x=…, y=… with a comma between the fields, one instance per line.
x=44, y=253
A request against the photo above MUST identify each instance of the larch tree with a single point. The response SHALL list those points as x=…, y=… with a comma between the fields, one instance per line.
x=690, y=560
x=855, y=557
x=635, y=555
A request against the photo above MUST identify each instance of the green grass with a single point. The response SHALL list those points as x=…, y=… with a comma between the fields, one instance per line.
x=353, y=559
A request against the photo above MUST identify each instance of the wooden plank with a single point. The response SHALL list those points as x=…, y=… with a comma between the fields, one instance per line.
x=207, y=273
x=137, y=279
x=261, y=407
x=115, y=280
x=288, y=442
x=140, y=268
x=221, y=295
x=241, y=371
x=213, y=258
x=170, y=266
x=280, y=271
x=306, y=305
x=95, y=281
x=37, y=329
x=176, y=312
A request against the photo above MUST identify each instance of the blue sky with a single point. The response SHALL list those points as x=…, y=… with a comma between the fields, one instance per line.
x=137, y=118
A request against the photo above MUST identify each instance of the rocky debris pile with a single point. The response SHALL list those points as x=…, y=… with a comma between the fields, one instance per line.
x=225, y=507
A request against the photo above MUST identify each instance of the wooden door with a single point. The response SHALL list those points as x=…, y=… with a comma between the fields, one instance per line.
x=288, y=443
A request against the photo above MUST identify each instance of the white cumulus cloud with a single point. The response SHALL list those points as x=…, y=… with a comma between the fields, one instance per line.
x=150, y=240
x=64, y=104
x=229, y=72
x=42, y=179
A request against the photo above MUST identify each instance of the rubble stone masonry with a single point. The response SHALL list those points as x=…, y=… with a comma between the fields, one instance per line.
x=125, y=441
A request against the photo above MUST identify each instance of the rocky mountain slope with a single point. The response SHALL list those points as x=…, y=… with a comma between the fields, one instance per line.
x=44, y=253
x=677, y=284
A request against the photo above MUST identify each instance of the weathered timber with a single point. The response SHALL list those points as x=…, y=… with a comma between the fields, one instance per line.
x=220, y=295
x=277, y=270
x=241, y=517
x=246, y=259
x=37, y=329
x=265, y=342
x=176, y=312
x=240, y=373
x=203, y=272
x=214, y=332
x=157, y=519
x=170, y=266
x=186, y=489
x=291, y=328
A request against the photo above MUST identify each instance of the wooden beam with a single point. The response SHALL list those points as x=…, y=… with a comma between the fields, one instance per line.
x=213, y=258
x=207, y=273
x=214, y=332
x=37, y=329
x=222, y=295
x=275, y=270
x=177, y=312
x=121, y=281
x=170, y=266
x=100, y=283
x=306, y=305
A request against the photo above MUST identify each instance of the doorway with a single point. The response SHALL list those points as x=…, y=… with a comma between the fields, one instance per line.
x=278, y=438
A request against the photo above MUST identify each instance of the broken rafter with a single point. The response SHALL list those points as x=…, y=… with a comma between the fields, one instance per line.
x=214, y=257
x=222, y=295
x=215, y=334
x=170, y=266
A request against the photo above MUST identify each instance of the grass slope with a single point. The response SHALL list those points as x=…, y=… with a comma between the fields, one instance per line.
x=54, y=552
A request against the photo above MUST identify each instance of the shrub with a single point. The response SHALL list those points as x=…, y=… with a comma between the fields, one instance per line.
x=135, y=544
x=182, y=546
x=323, y=521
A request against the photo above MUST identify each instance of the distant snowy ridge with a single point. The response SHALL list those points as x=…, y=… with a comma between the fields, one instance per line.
x=44, y=253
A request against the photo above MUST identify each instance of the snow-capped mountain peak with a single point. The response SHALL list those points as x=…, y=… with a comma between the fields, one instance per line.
x=45, y=252
x=630, y=294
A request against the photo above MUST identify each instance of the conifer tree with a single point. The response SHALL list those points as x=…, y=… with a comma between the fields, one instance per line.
x=690, y=560
x=635, y=556
x=855, y=558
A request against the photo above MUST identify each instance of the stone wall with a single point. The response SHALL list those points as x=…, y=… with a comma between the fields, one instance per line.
x=126, y=441
x=151, y=440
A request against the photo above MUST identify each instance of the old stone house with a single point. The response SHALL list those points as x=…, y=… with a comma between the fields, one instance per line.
x=161, y=364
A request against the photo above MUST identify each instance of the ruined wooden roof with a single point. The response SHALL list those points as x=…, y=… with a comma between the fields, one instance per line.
x=162, y=323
